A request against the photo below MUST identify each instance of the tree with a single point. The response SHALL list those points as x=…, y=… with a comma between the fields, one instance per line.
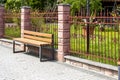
x=34, y=4
x=41, y=4
x=76, y=5
x=13, y=4
x=3, y=1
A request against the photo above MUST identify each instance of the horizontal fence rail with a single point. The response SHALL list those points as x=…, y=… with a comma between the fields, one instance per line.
x=98, y=39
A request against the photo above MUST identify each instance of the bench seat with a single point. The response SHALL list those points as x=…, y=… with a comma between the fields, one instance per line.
x=32, y=42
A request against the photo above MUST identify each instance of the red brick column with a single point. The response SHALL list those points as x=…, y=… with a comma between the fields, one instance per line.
x=25, y=19
x=63, y=31
x=2, y=22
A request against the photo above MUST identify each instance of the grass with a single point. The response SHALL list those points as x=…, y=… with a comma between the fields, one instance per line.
x=12, y=32
x=103, y=45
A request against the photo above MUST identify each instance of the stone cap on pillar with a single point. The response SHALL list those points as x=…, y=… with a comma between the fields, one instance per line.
x=1, y=5
x=25, y=7
x=63, y=7
x=63, y=4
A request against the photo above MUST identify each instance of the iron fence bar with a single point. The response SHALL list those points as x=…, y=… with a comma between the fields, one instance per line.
x=115, y=41
x=112, y=50
x=118, y=46
x=88, y=14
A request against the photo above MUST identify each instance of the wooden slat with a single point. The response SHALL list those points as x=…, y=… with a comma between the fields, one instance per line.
x=32, y=42
x=38, y=38
x=38, y=34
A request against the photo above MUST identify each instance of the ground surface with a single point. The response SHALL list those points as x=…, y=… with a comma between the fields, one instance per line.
x=21, y=66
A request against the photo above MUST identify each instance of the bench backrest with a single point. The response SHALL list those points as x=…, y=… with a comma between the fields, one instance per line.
x=45, y=37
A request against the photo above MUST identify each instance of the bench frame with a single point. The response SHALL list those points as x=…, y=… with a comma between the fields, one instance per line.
x=40, y=47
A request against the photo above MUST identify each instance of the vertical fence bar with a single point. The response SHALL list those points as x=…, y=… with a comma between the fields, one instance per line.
x=88, y=14
x=108, y=41
x=112, y=48
x=118, y=58
x=2, y=22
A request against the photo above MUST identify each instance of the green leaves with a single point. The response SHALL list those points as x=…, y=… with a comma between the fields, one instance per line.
x=2, y=1
x=76, y=5
x=34, y=4
x=13, y=4
x=95, y=5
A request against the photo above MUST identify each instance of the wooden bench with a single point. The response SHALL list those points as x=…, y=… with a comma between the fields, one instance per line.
x=35, y=39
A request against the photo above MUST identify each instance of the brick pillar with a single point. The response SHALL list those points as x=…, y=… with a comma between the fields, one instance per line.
x=63, y=31
x=2, y=22
x=25, y=19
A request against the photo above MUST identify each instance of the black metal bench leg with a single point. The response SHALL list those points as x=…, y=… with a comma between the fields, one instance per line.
x=52, y=51
x=13, y=46
x=24, y=48
x=52, y=46
x=40, y=53
x=18, y=51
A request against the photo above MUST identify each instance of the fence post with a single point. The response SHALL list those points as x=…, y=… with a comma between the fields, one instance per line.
x=2, y=22
x=25, y=19
x=63, y=31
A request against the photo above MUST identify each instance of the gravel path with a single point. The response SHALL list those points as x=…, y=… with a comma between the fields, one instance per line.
x=21, y=66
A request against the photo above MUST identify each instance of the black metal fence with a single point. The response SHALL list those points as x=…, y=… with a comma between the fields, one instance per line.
x=98, y=39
